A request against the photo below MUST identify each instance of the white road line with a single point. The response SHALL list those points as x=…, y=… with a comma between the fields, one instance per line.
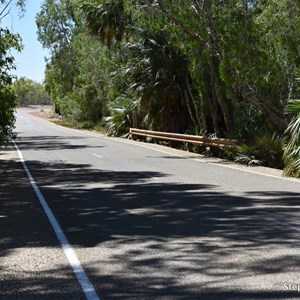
x=82, y=278
x=97, y=155
x=255, y=172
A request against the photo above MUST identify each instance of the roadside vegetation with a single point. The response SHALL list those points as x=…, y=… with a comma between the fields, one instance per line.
x=292, y=149
x=216, y=68
x=8, y=99
x=29, y=92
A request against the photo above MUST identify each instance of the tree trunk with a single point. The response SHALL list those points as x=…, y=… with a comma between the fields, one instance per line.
x=223, y=105
x=187, y=101
x=214, y=105
x=203, y=121
x=250, y=94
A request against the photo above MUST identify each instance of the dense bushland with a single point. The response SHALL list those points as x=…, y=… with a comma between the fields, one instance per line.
x=222, y=68
x=225, y=68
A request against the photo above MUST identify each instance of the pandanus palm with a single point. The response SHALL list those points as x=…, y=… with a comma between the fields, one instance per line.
x=105, y=19
x=158, y=74
x=292, y=150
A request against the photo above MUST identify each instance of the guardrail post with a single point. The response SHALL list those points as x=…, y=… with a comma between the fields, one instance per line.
x=189, y=147
x=133, y=135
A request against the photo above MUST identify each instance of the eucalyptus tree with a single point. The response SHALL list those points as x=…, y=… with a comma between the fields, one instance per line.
x=194, y=29
x=93, y=89
x=156, y=71
x=239, y=53
x=224, y=65
x=76, y=74
x=56, y=29
x=21, y=88
x=30, y=92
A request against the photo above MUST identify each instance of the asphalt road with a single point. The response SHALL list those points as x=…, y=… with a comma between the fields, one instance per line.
x=145, y=221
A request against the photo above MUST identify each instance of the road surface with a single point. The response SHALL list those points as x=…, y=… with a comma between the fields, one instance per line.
x=144, y=221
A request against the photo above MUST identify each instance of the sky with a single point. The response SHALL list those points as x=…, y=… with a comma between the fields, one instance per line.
x=30, y=62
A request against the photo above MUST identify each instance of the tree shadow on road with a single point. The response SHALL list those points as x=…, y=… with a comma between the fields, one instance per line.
x=151, y=238
x=50, y=143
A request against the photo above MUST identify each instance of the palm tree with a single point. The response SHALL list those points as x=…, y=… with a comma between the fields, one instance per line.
x=292, y=151
x=105, y=19
x=159, y=76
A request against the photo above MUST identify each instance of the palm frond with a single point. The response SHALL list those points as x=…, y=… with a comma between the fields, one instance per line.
x=291, y=153
x=293, y=107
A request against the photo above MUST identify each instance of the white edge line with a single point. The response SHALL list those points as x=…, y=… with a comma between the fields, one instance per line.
x=254, y=172
x=97, y=155
x=82, y=278
x=212, y=163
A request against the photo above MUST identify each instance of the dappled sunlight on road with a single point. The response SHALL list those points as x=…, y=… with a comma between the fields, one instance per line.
x=165, y=238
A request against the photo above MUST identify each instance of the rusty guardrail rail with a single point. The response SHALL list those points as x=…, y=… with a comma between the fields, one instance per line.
x=185, y=138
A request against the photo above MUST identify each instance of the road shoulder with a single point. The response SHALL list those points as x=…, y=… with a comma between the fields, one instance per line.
x=32, y=263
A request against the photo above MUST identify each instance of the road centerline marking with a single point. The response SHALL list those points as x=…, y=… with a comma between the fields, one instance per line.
x=80, y=274
x=97, y=155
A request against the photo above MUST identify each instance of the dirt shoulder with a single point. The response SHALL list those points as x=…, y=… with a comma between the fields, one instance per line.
x=45, y=112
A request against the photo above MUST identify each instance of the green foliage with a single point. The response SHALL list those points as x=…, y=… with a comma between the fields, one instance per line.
x=57, y=27
x=292, y=150
x=264, y=150
x=249, y=122
x=55, y=24
x=105, y=19
x=7, y=41
x=30, y=92
x=225, y=68
x=158, y=75
x=7, y=97
x=121, y=118
x=71, y=123
x=7, y=104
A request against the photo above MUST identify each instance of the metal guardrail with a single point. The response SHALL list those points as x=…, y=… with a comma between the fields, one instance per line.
x=185, y=138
